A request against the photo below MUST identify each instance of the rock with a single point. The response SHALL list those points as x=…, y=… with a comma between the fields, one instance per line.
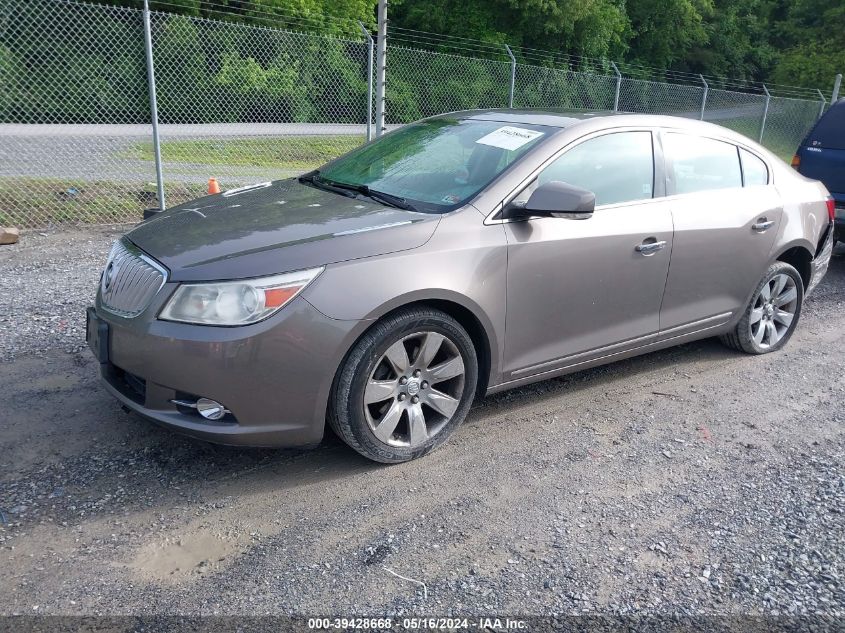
x=9, y=235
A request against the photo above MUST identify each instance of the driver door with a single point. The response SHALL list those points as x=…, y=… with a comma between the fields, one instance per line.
x=582, y=289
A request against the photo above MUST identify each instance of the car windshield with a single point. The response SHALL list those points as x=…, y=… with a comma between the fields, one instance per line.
x=434, y=165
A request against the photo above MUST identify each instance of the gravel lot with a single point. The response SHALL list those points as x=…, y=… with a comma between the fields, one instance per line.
x=690, y=481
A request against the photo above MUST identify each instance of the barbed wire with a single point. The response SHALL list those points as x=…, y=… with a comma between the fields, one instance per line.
x=480, y=48
x=428, y=39
x=245, y=9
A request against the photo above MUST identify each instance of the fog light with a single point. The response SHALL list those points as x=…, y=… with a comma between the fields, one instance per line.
x=211, y=410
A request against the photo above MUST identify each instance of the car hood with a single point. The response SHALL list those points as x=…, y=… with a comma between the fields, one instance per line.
x=273, y=228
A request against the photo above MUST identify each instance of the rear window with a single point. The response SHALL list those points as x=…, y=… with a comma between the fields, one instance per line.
x=830, y=130
x=702, y=164
x=754, y=170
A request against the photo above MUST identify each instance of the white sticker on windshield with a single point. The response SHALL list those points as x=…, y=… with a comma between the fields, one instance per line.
x=509, y=137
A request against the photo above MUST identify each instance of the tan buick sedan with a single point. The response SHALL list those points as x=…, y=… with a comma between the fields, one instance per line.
x=455, y=257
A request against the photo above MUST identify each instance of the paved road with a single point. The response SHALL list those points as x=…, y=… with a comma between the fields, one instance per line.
x=211, y=130
x=98, y=152
x=693, y=480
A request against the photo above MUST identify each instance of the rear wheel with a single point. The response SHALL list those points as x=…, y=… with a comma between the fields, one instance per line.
x=772, y=314
x=405, y=386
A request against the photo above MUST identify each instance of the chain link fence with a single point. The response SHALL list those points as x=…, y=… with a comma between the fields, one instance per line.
x=788, y=121
x=544, y=87
x=245, y=103
x=72, y=99
x=422, y=83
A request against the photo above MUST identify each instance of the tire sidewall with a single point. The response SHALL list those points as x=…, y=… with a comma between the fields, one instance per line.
x=361, y=363
x=779, y=268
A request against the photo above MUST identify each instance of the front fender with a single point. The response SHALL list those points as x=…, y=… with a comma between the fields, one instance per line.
x=464, y=263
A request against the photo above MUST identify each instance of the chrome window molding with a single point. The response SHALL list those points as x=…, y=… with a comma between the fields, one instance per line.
x=491, y=218
x=722, y=139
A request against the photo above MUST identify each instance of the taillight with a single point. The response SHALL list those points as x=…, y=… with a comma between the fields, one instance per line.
x=831, y=209
x=796, y=161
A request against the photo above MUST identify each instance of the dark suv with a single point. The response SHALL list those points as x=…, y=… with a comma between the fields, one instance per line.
x=822, y=157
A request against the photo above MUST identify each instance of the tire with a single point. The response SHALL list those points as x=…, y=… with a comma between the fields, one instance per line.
x=768, y=308
x=436, y=348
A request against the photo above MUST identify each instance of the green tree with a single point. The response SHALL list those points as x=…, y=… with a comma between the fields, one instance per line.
x=810, y=38
x=737, y=41
x=584, y=27
x=10, y=97
x=663, y=32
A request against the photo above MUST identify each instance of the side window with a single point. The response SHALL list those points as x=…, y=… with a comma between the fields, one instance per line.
x=754, y=170
x=617, y=167
x=702, y=164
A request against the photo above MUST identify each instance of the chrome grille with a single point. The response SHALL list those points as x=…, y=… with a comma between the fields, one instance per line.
x=130, y=280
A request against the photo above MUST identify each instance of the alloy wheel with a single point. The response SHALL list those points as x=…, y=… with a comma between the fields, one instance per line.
x=774, y=310
x=414, y=389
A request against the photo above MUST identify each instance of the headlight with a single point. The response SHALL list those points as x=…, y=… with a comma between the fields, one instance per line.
x=235, y=302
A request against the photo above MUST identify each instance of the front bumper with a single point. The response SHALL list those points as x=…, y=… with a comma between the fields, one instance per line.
x=274, y=377
x=839, y=223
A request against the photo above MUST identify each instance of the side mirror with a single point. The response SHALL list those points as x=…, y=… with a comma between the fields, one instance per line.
x=559, y=199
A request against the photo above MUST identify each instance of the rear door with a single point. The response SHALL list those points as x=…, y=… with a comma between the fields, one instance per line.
x=724, y=231
x=823, y=152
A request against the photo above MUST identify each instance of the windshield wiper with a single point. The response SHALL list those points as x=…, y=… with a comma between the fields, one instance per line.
x=387, y=198
x=313, y=178
x=346, y=189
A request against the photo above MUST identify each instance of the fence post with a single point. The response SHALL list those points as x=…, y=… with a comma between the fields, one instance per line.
x=369, y=81
x=704, y=96
x=765, y=112
x=837, y=83
x=513, y=75
x=151, y=85
x=824, y=103
x=381, y=65
x=618, y=86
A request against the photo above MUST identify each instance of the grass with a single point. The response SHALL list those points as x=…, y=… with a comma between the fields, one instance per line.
x=40, y=202
x=30, y=203
x=780, y=139
x=295, y=153
x=301, y=153
x=782, y=148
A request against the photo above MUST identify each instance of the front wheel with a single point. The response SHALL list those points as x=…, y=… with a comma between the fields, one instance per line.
x=405, y=386
x=772, y=314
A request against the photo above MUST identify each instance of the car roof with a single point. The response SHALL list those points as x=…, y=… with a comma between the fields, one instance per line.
x=599, y=119
x=569, y=118
x=551, y=118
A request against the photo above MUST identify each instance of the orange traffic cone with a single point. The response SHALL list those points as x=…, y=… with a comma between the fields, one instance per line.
x=213, y=186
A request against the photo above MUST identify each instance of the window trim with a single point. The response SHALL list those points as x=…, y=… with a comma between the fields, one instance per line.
x=668, y=163
x=658, y=159
x=739, y=150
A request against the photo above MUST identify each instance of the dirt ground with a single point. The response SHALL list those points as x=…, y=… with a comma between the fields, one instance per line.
x=690, y=481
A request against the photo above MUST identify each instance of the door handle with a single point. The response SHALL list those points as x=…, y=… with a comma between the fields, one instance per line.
x=649, y=248
x=762, y=224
